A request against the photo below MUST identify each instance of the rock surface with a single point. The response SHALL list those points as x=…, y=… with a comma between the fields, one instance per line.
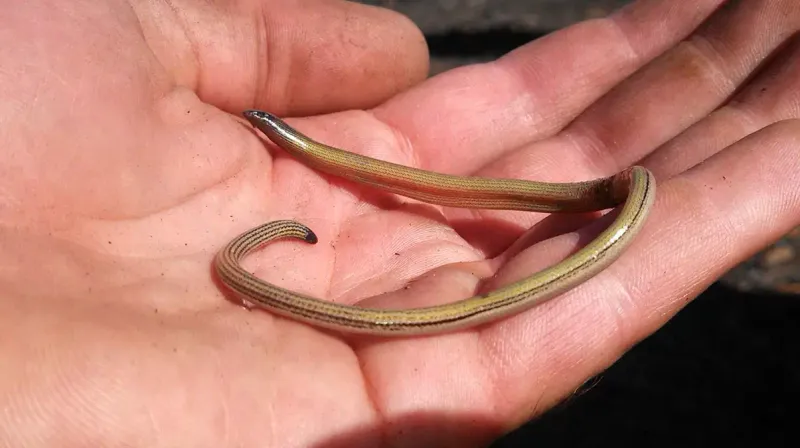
x=441, y=16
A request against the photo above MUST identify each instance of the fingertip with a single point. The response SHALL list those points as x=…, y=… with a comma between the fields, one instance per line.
x=366, y=55
x=414, y=49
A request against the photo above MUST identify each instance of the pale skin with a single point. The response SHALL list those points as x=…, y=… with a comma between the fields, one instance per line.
x=125, y=167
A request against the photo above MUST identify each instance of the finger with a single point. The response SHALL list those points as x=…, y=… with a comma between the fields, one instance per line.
x=657, y=102
x=684, y=85
x=705, y=221
x=459, y=120
x=292, y=58
x=774, y=95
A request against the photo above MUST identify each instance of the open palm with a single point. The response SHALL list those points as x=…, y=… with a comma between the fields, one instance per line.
x=126, y=166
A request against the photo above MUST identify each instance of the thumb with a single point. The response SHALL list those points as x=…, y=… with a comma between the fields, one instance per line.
x=289, y=57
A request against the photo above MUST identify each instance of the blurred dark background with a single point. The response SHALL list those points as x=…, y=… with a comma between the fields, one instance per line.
x=726, y=369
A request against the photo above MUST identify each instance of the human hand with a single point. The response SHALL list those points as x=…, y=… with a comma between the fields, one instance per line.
x=119, y=185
